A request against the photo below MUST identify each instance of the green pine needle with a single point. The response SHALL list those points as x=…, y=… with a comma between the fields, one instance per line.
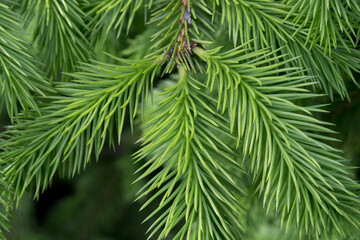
x=197, y=170
x=59, y=26
x=76, y=123
x=19, y=76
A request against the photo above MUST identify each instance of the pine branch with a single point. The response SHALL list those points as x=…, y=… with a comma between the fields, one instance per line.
x=193, y=142
x=19, y=76
x=196, y=171
x=275, y=25
x=332, y=24
x=179, y=25
x=299, y=176
x=76, y=123
x=109, y=15
x=59, y=26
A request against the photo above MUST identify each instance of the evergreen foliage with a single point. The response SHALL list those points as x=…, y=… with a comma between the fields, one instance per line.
x=20, y=77
x=60, y=26
x=225, y=93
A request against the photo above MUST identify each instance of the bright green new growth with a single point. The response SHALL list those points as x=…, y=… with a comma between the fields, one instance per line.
x=304, y=180
x=226, y=114
x=76, y=122
x=197, y=169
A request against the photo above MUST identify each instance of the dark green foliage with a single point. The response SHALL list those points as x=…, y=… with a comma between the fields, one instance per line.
x=59, y=26
x=19, y=75
x=111, y=15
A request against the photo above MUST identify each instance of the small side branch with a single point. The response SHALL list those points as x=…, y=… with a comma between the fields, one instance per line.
x=182, y=51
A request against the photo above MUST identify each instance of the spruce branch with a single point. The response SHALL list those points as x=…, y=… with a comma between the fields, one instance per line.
x=76, y=123
x=109, y=15
x=197, y=171
x=59, y=26
x=332, y=23
x=19, y=75
x=227, y=113
x=299, y=176
x=179, y=24
x=272, y=24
